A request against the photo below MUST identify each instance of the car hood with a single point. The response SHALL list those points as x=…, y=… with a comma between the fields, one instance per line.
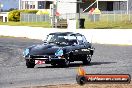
x=44, y=49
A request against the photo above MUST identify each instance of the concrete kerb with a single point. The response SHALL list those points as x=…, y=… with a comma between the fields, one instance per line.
x=102, y=36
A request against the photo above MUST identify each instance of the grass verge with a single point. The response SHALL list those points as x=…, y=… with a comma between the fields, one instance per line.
x=32, y=24
x=108, y=25
x=88, y=24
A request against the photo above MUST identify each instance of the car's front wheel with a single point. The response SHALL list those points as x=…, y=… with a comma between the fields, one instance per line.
x=53, y=64
x=87, y=59
x=30, y=63
x=66, y=62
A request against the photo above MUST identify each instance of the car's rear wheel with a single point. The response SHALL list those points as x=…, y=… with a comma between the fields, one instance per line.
x=87, y=59
x=30, y=63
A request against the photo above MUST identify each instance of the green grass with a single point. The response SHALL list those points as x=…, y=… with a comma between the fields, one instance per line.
x=88, y=24
x=3, y=36
x=32, y=24
x=108, y=25
x=109, y=21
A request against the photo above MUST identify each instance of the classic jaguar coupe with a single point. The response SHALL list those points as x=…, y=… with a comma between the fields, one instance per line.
x=60, y=48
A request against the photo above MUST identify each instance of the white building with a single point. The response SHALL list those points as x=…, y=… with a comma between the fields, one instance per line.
x=63, y=6
x=110, y=5
x=35, y=4
x=66, y=6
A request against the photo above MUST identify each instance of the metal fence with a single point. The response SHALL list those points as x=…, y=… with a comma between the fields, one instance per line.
x=34, y=18
x=68, y=16
x=109, y=16
x=105, y=16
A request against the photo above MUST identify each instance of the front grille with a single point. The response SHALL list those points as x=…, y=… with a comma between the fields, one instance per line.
x=42, y=56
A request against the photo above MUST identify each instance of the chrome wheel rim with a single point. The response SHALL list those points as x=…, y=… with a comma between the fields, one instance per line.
x=89, y=58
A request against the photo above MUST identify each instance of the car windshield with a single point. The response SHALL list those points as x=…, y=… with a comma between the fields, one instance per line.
x=63, y=39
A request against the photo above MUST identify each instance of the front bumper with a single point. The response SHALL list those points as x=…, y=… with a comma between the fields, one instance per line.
x=47, y=59
x=56, y=61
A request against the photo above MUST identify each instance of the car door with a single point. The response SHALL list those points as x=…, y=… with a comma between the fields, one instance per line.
x=80, y=41
x=82, y=44
x=73, y=44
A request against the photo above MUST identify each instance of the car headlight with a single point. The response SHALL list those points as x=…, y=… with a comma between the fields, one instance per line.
x=59, y=52
x=26, y=52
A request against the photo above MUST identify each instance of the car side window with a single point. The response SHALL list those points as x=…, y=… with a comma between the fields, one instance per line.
x=84, y=39
x=80, y=40
x=72, y=40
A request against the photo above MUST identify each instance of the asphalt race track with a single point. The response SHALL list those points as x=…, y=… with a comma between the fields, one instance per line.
x=107, y=59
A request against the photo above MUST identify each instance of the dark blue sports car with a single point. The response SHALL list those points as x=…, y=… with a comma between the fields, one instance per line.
x=60, y=48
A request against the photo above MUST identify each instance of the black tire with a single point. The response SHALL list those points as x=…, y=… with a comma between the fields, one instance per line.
x=87, y=59
x=30, y=63
x=53, y=64
x=66, y=62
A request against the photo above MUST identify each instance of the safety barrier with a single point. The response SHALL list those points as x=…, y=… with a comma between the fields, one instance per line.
x=102, y=36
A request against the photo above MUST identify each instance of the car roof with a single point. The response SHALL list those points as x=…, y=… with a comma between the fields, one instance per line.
x=65, y=33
